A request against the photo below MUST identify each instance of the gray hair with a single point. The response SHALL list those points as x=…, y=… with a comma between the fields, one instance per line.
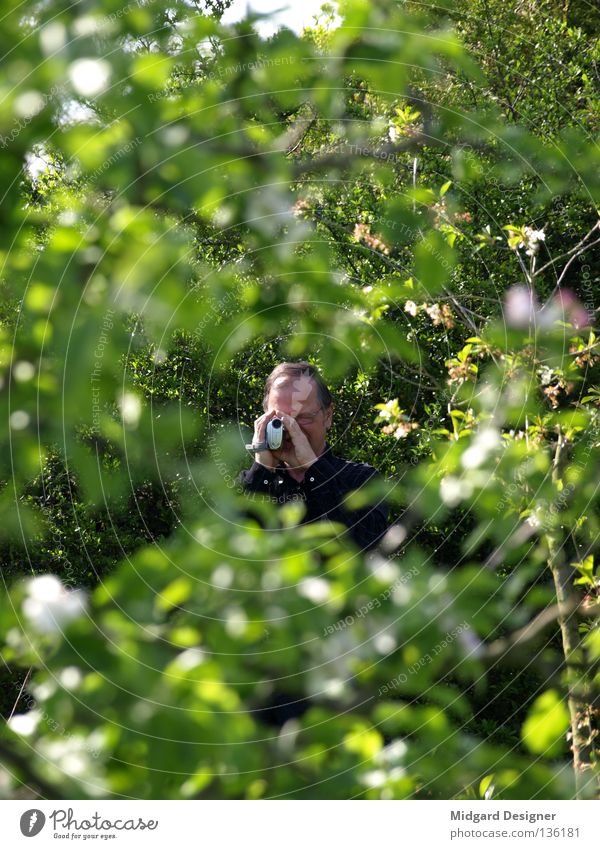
x=301, y=369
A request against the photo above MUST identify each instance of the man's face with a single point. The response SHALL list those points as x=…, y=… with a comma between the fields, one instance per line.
x=299, y=397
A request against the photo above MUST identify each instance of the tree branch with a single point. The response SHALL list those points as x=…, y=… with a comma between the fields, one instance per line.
x=570, y=252
x=573, y=649
x=532, y=629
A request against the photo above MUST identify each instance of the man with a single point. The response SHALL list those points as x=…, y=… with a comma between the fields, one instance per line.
x=304, y=467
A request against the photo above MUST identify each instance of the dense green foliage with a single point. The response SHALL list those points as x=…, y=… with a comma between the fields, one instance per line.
x=198, y=204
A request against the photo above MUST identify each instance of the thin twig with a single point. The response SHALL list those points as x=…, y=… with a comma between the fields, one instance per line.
x=573, y=258
x=23, y=685
x=554, y=260
x=583, y=350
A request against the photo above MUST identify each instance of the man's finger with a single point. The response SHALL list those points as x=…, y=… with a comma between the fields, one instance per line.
x=293, y=427
x=260, y=424
x=287, y=420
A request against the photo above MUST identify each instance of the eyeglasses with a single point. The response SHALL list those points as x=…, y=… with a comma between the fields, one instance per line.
x=308, y=418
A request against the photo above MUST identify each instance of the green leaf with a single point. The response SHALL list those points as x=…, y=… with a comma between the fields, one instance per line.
x=546, y=725
x=434, y=261
x=586, y=567
x=486, y=787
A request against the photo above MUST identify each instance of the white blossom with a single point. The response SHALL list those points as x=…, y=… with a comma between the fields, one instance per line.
x=70, y=677
x=19, y=420
x=484, y=443
x=222, y=576
x=131, y=408
x=24, y=723
x=49, y=605
x=334, y=688
x=28, y=104
x=190, y=658
x=532, y=240
x=384, y=643
x=316, y=590
x=89, y=76
x=236, y=622
x=392, y=753
x=451, y=491
x=53, y=37
x=534, y=520
x=374, y=778
x=269, y=209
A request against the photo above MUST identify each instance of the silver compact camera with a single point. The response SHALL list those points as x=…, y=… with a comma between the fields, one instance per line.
x=273, y=437
x=274, y=433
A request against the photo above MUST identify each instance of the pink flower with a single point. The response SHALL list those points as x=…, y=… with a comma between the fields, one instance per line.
x=568, y=303
x=521, y=307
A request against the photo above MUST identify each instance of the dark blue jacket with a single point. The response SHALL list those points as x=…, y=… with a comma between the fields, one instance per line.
x=325, y=484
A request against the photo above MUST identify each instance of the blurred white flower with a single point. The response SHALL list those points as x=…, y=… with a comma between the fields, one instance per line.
x=374, y=778
x=19, y=420
x=473, y=457
x=382, y=569
x=222, y=576
x=44, y=690
x=268, y=209
x=24, y=723
x=395, y=535
x=451, y=491
x=190, y=658
x=70, y=677
x=334, y=688
x=401, y=594
x=89, y=76
x=49, y=605
x=485, y=441
x=71, y=754
x=384, y=643
x=131, y=408
x=87, y=25
x=236, y=621
x=53, y=37
x=28, y=104
x=392, y=753
x=316, y=590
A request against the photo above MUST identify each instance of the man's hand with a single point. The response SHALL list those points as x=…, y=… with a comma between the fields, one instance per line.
x=299, y=455
x=265, y=458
